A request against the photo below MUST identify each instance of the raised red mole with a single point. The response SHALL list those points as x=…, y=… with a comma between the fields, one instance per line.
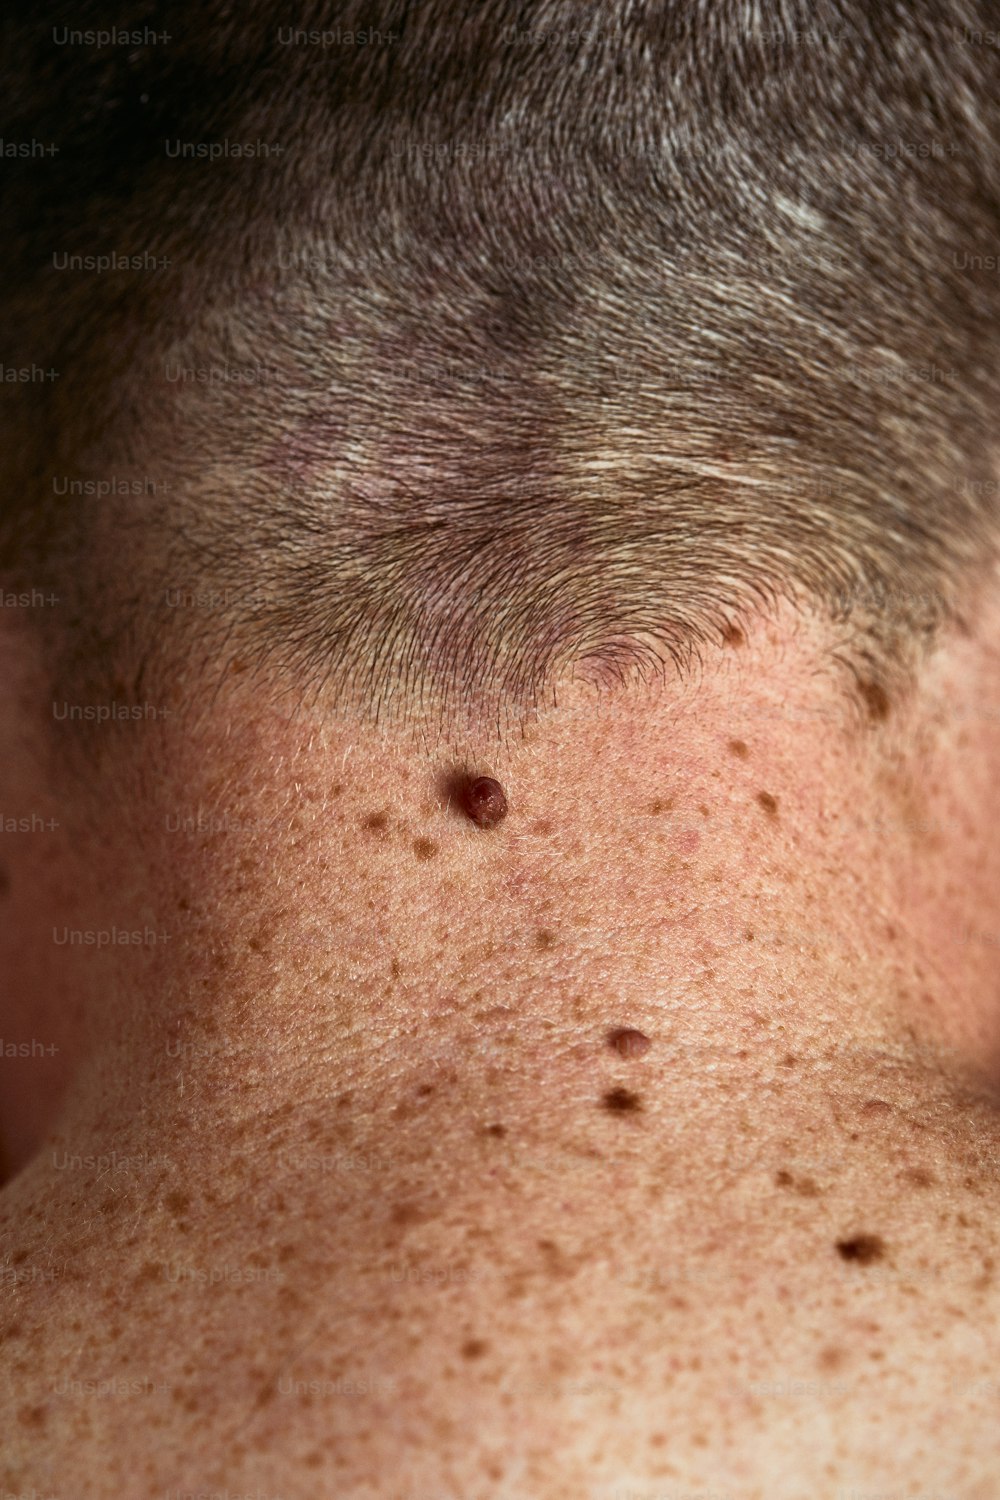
x=485, y=801
x=628, y=1042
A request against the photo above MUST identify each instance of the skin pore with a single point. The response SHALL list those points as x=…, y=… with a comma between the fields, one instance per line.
x=643, y=1141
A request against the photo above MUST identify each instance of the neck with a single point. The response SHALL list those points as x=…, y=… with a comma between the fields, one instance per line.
x=752, y=870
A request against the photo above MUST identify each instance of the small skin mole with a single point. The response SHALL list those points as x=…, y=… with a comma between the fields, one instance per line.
x=768, y=803
x=661, y=806
x=621, y=1101
x=545, y=939
x=495, y=1130
x=876, y=701
x=863, y=1248
x=474, y=1348
x=376, y=822
x=733, y=636
x=628, y=1042
x=485, y=801
x=739, y=747
x=424, y=848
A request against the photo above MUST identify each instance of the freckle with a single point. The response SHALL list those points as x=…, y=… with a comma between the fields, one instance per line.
x=789, y=1060
x=661, y=806
x=474, y=1348
x=4, y=882
x=831, y=1358
x=621, y=1101
x=919, y=1177
x=545, y=939
x=376, y=822
x=863, y=1248
x=703, y=810
x=876, y=701
x=424, y=848
x=768, y=803
x=495, y=1130
x=733, y=636
x=739, y=747
x=405, y=1214
x=542, y=827
x=748, y=936
x=628, y=1042
x=177, y=1203
x=485, y=801
x=31, y=1416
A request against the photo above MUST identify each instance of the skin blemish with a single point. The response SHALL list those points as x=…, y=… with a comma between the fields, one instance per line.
x=876, y=701
x=498, y=1131
x=804, y=1186
x=424, y=848
x=628, y=1042
x=543, y=827
x=484, y=801
x=376, y=822
x=621, y=1101
x=768, y=803
x=661, y=806
x=474, y=1348
x=865, y=1249
x=733, y=636
x=739, y=748
x=545, y=939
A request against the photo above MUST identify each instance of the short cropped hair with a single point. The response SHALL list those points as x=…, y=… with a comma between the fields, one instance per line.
x=502, y=340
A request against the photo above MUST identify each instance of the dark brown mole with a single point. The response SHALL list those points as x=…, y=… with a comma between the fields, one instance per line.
x=876, y=701
x=768, y=803
x=474, y=1348
x=424, y=848
x=864, y=1248
x=628, y=1042
x=739, y=747
x=496, y=1130
x=733, y=636
x=376, y=822
x=621, y=1101
x=485, y=801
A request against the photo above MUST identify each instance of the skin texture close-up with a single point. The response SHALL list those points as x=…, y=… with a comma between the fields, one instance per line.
x=500, y=754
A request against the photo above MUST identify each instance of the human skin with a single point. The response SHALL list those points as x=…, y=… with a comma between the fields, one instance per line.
x=350, y=1191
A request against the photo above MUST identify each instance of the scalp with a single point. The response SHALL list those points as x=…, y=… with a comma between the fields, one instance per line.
x=567, y=358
